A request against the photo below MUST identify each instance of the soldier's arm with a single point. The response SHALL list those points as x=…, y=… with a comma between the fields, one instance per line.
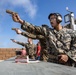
x=27, y=34
x=30, y=35
x=25, y=25
x=20, y=43
x=31, y=28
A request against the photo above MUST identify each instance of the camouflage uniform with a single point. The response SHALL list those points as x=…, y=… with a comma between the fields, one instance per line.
x=44, y=46
x=66, y=44
x=63, y=38
x=30, y=49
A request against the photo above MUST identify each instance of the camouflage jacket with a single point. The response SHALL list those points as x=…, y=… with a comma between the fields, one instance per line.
x=64, y=39
x=30, y=48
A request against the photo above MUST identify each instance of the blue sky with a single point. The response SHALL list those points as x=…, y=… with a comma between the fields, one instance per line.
x=33, y=11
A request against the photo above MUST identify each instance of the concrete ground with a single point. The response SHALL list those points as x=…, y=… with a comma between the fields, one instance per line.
x=9, y=67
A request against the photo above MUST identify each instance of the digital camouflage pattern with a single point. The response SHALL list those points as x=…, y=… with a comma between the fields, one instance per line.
x=63, y=40
x=68, y=39
x=44, y=46
x=30, y=49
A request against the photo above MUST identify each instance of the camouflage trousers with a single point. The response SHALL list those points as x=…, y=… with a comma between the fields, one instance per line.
x=45, y=56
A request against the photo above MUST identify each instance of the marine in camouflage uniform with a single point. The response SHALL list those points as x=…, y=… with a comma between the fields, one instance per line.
x=64, y=38
x=44, y=46
x=30, y=48
x=65, y=43
x=43, y=41
x=45, y=49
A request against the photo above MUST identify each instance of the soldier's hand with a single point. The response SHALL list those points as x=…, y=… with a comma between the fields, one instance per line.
x=18, y=31
x=16, y=18
x=63, y=58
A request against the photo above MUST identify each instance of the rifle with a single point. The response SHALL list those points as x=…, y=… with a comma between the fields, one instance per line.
x=10, y=12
